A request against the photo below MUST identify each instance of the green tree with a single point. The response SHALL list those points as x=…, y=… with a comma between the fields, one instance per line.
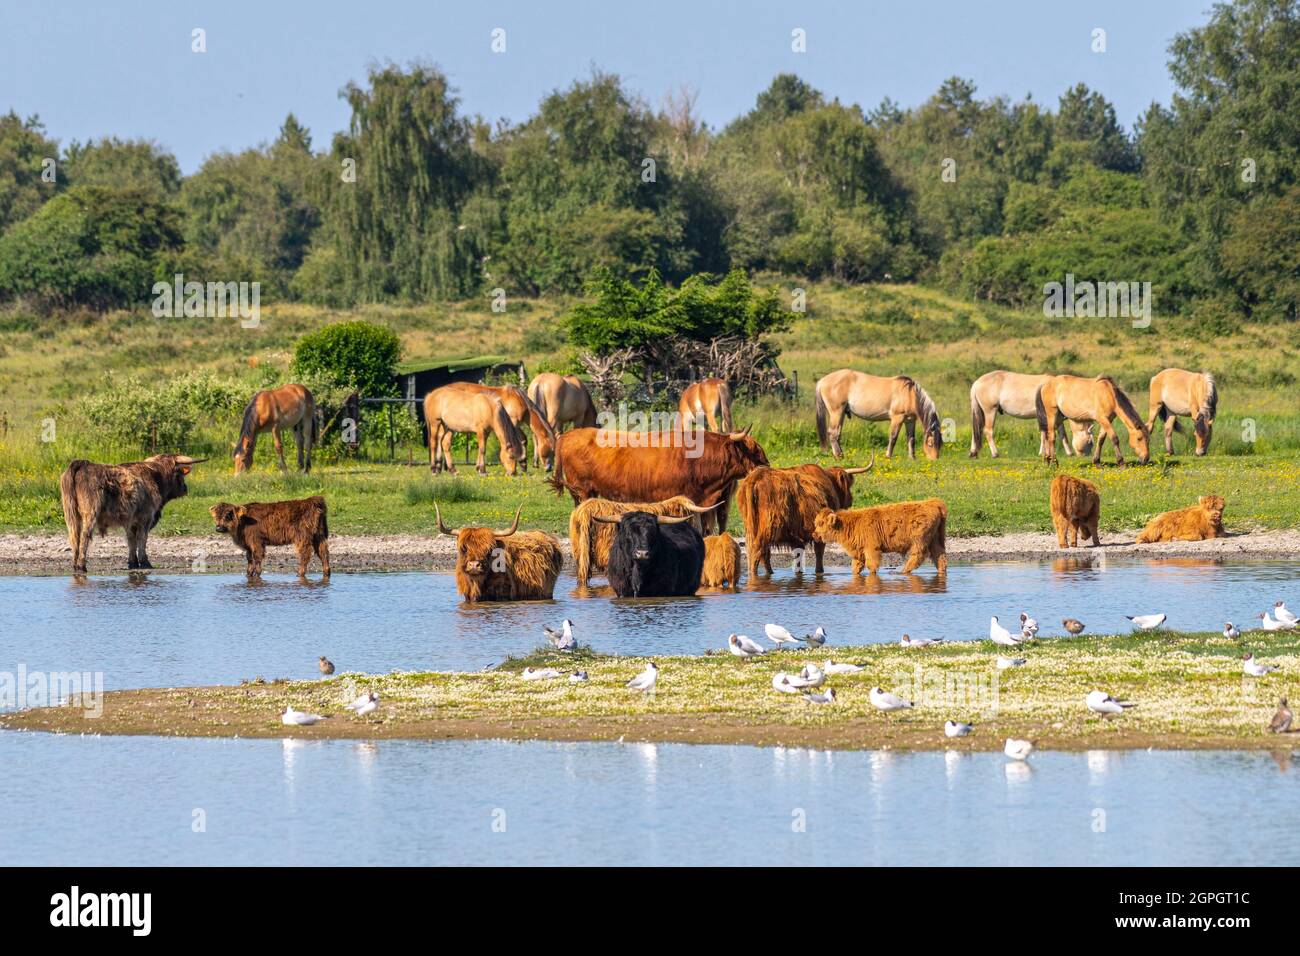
x=122, y=164
x=24, y=147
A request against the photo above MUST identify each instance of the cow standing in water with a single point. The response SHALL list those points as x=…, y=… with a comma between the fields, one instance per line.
x=654, y=555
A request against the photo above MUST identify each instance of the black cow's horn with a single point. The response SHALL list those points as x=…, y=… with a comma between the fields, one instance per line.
x=442, y=525
x=690, y=506
x=666, y=519
x=863, y=471
x=514, y=527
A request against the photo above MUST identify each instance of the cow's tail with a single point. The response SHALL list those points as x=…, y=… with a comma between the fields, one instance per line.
x=822, y=413
x=976, y=424
x=68, y=492
x=319, y=503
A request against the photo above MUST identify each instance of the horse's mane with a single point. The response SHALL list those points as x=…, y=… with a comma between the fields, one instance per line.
x=929, y=414
x=535, y=417
x=249, y=428
x=1211, y=405
x=1125, y=405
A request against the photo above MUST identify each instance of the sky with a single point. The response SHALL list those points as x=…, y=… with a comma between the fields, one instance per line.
x=126, y=68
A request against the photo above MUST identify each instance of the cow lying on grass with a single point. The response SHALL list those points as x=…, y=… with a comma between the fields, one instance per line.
x=509, y=565
x=914, y=528
x=255, y=525
x=1076, y=507
x=1202, y=520
x=130, y=496
x=590, y=539
x=654, y=555
x=721, y=562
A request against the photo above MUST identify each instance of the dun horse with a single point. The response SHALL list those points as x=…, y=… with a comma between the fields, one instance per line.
x=563, y=399
x=450, y=409
x=1089, y=400
x=707, y=400
x=899, y=400
x=518, y=407
x=1177, y=392
x=1013, y=393
x=289, y=406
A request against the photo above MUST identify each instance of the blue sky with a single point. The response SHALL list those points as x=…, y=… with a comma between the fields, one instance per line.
x=91, y=68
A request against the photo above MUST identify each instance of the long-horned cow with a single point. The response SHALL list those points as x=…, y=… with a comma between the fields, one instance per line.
x=509, y=565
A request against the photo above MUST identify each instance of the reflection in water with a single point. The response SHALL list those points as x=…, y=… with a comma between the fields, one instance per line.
x=1098, y=761
x=1017, y=772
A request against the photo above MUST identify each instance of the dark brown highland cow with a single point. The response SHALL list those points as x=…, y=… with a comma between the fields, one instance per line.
x=256, y=525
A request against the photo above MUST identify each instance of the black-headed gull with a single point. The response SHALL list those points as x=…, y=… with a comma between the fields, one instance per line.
x=1281, y=722
x=326, y=665
x=563, y=639
x=779, y=635
x=539, y=673
x=1100, y=702
x=1007, y=662
x=955, y=728
x=1146, y=622
x=1018, y=749
x=1028, y=626
x=1268, y=624
x=826, y=698
x=1231, y=631
x=781, y=681
x=817, y=638
x=578, y=677
x=842, y=668
x=1254, y=668
x=645, y=681
x=1283, y=614
x=920, y=641
x=1072, y=625
x=1000, y=635
x=884, y=700
x=298, y=718
x=810, y=676
x=742, y=646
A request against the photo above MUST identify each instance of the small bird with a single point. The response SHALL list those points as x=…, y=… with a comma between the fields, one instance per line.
x=1283, y=614
x=834, y=668
x=1146, y=622
x=816, y=639
x=826, y=698
x=1000, y=635
x=884, y=700
x=326, y=665
x=1268, y=624
x=810, y=676
x=1281, y=722
x=1018, y=749
x=578, y=677
x=920, y=641
x=1073, y=626
x=365, y=705
x=298, y=718
x=955, y=728
x=742, y=646
x=563, y=639
x=781, y=681
x=1231, y=631
x=1100, y=702
x=1254, y=668
x=645, y=681
x=1028, y=626
x=539, y=673
x=1005, y=663
x=779, y=635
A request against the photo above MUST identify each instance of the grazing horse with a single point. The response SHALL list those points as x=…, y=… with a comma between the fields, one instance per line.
x=1089, y=400
x=289, y=406
x=519, y=406
x=451, y=409
x=1012, y=393
x=871, y=397
x=563, y=399
x=1177, y=392
x=706, y=400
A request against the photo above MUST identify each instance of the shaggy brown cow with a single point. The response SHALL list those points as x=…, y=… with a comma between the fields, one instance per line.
x=654, y=466
x=253, y=526
x=721, y=562
x=1076, y=507
x=590, y=539
x=508, y=565
x=914, y=528
x=1202, y=520
x=780, y=505
x=129, y=496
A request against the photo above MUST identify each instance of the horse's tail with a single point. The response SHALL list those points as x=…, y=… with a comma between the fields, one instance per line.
x=724, y=401
x=1210, y=406
x=1040, y=412
x=976, y=423
x=822, y=413
x=511, y=438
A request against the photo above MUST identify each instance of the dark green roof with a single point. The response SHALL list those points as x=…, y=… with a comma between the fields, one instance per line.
x=452, y=364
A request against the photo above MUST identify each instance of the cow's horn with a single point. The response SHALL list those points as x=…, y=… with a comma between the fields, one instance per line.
x=514, y=527
x=667, y=519
x=187, y=460
x=442, y=525
x=689, y=506
x=863, y=471
x=607, y=519
x=734, y=436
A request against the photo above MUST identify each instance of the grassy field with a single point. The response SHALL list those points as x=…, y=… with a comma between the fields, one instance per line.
x=944, y=343
x=1188, y=688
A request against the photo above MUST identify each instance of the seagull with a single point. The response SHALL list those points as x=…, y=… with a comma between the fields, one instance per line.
x=884, y=700
x=1254, y=668
x=954, y=728
x=298, y=718
x=645, y=680
x=365, y=705
x=826, y=698
x=1283, y=614
x=1073, y=626
x=1281, y=722
x=1007, y=662
x=816, y=639
x=1028, y=626
x=1099, y=702
x=1018, y=749
x=563, y=639
x=834, y=668
x=920, y=641
x=810, y=676
x=539, y=673
x=1268, y=624
x=578, y=677
x=779, y=635
x=326, y=665
x=1146, y=622
x=1231, y=631
x=1000, y=635
x=742, y=646
x=781, y=681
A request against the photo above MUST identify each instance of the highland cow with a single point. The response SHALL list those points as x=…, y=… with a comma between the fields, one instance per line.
x=721, y=562
x=654, y=555
x=914, y=528
x=256, y=525
x=1076, y=507
x=590, y=539
x=1202, y=520
x=509, y=565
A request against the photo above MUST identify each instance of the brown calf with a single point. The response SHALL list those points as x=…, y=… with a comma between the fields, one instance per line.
x=914, y=528
x=1076, y=507
x=255, y=525
x=721, y=562
x=1202, y=520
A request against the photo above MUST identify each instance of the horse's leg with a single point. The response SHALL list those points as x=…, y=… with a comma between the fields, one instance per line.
x=990, y=416
x=1106, y=430
x=1171, y=423
x=279, y=446
x=480, y=462
x=1047, y=436
x=448, y=461
x=835, y=421
x=895, y=423
x=298, y=438
x=910, y=425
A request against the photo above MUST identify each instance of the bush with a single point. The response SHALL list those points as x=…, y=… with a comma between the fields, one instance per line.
x=355, y=355
x=132, y=414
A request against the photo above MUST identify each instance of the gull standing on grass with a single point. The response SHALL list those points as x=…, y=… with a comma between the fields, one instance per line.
x=817, y=638
x=365, y=705
x=1231, y=631
x=1281, y=722
x=578, y=677
x=645, y=681
x=826, y=698
x=779, y=635
x=1268, y=624
x=1147, y=622
x=563, y=639
x=1283, y=614
x=1072, y=625
x=298, y=718
x=884, y=700
x=1018, y=749
x=1028, y=626
x=539, y=673
x=1254, y=668
x=1000, y=635
x=955, y=728
x=1100, y=702
x=834, y=668
x=742, y=646
x=920, y=641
